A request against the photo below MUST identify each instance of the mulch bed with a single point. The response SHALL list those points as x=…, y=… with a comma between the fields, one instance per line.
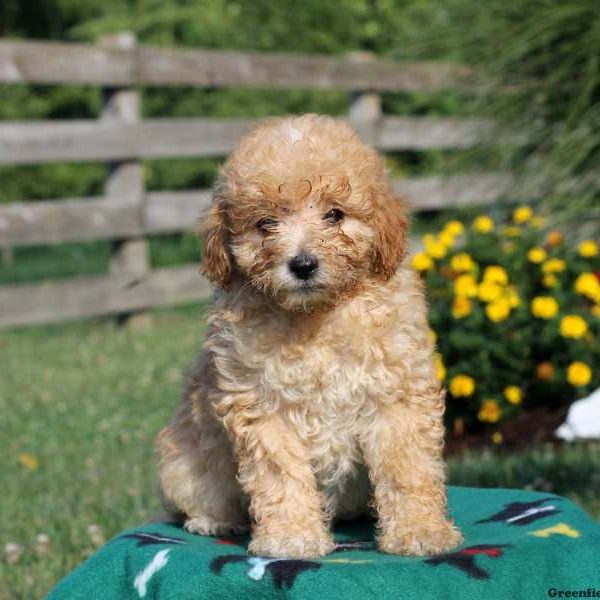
x=536, y=426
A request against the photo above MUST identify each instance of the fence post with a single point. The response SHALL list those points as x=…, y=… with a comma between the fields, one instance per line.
x=125, y=182
x=365, y=106
x=8, y=257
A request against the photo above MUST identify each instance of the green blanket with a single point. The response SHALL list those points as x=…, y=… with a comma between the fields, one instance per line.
x=518, y=544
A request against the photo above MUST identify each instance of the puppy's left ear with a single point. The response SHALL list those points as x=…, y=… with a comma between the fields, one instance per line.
x=390, y=222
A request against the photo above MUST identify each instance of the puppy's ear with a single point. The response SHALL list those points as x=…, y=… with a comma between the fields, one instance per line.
x=216, y=263
x=390, y=221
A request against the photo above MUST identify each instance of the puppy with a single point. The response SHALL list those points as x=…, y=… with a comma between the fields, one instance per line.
x=315, y=394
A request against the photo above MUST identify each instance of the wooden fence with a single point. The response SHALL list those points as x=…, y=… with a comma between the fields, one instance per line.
x=126, y=213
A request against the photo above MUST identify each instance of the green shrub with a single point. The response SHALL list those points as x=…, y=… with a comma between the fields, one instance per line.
x=516, y=312
x=546, y=52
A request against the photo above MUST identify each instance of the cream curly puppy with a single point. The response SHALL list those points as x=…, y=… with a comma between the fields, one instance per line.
x=315, y=394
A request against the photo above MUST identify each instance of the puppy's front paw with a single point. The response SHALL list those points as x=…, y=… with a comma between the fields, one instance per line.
x=291, y=545
x=420, y=539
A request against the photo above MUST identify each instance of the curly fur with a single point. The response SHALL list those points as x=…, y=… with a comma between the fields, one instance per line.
x=310, y=401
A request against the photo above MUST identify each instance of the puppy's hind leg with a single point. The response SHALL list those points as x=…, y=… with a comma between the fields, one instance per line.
x=198, y=477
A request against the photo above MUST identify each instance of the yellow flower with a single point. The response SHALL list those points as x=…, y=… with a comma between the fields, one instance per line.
x=29, y=461
x=554, y=238
x=511, y=231
x=545, y=371
x=433, y=247
x=462, y=385
x=462, y=262
x=588, y=249
x=499, y=310
x=465, y=285
x=421, y=262
x=461, y=307
x=554, y=265
x=537, y=222
x=440, y=369
x=537, y=255
x=512, y=295
x=549, y=280
x=596, y=310
x=446, y=239
x=522, y=214
x=488, y=291
x=573, y=326
x=497, y=438
x=454, y=227
x=588, y=285
x=513, y=394
x=489, y=412
x=483, y=224
x=496, y=273
x=579, y=374
x=544, y=307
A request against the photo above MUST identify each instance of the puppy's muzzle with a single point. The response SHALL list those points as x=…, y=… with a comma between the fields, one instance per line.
x=304, y=266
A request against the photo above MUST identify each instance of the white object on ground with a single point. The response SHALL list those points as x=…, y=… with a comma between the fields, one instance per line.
x=583, y=419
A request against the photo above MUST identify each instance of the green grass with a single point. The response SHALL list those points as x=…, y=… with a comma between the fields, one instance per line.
x=569, y=470
x=87, y=399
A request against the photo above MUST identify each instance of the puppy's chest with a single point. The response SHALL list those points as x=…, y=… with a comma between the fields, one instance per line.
x=326, y=386
x=329, y=374
x=316, y=371
x=324, y=395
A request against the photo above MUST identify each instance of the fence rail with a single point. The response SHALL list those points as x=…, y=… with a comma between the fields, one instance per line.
x=127, y=214
x=43, y=141
x=52, y=62
x=106, y=294
x=58, y=221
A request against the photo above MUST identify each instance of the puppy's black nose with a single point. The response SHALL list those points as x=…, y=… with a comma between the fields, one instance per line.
x=303, y=266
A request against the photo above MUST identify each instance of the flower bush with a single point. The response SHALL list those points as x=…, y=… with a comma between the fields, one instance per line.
x=515, y=312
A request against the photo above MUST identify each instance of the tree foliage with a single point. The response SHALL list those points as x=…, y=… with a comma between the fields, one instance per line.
x=310, y=26
x=546, y=51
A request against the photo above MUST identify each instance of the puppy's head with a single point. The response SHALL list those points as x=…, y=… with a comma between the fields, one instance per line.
x=302, y=212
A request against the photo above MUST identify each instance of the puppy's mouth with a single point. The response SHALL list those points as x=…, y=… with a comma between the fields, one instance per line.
x=308, y=287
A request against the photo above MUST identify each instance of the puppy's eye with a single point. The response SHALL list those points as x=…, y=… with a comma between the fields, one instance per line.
x=266, y=225
x=333, y=216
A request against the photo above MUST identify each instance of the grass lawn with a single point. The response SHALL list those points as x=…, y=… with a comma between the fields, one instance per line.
x=80, y=406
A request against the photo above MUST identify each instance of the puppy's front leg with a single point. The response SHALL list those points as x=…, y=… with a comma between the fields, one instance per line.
x=403, y=451
x=274, y=471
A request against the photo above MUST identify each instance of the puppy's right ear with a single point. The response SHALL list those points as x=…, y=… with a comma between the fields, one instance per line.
x=216, y=263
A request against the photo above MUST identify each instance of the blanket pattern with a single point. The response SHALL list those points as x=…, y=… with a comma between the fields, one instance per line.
x=518, y=544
